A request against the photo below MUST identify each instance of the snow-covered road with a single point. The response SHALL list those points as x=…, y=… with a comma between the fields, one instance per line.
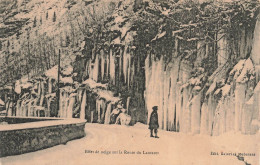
x=170, y=149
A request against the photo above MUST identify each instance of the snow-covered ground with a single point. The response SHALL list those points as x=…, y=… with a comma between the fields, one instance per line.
x=174, y=148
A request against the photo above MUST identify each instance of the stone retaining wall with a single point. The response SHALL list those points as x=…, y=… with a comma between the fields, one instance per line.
x=28, y=137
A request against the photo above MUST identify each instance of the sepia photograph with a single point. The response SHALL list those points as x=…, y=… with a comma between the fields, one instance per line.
x=129, y=82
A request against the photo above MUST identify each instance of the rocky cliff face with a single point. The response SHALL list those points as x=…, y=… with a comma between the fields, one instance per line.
x=196, y=60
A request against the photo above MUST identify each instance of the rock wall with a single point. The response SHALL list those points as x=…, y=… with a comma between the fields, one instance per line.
x=199, y=66
x=215, y=103
x=20, y=139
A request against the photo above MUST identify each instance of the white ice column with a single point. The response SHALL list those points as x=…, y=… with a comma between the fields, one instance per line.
x=166, y=84
x=112, y=66
x=239, y=103
x=18, y=108
x=66, y=100
x=211, y=112
x=107, y=115
x=186, y=111
x=96, y=68
x=61, y=104
x=186, y=114
x=195, y=114
x=83, y=105
x=247, y=113
x=160, y=82
x=98, y=103
x=230, y=113
x=49, y=86
x=71, y=105
x=204, y=126
x=102, y=57
x=172, y=99
x=30, y=109
x=256, y=49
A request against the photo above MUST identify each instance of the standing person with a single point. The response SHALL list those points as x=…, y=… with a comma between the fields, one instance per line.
x=153, y=123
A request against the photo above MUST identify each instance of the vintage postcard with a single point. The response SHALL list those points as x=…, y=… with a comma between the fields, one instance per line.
x=129, y=82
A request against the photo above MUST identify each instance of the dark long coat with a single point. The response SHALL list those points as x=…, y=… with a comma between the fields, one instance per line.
x=153, y=123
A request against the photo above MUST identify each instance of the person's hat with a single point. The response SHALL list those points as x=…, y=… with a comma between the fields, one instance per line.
x=155, y=107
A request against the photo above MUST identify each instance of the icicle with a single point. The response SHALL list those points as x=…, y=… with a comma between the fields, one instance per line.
x=230, y=111
x=18, y=108
x=34, y=107
x=166, y=82
x=96, y=68
x=83, y=105
x=256, y=43
x=125, y=63
x=102, y=63
x=185, y=125
x=39, y=88
x=148, y=82
x=127, y=104
x=211, y=112
x=30, y=111
x=222, y=127
x=152, y=91
x=48, y=107
x=172, y=97
x=103, y=106
x=49, y=86
x=88, y=68
x=98, y=110
x=61, y=104
x=178, y=106
x=129, y=71
x=42, y=92
x=66, y=99
x=23, y=107
x=112, y=66
x=195, y=114
x=71, y=105
x=239, y=103
x=108, y=65
x=160, y=81
x=186, y=113
x=107, y=115
x=120, y=62
x=131, y=80
x=204, y=119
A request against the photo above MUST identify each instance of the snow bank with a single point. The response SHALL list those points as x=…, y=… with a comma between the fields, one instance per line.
x=107, y=95
x=173, y=148
x=66, y=80
x=52, y=73
x=68, y=70
x=93, y=84
x=247, y=70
